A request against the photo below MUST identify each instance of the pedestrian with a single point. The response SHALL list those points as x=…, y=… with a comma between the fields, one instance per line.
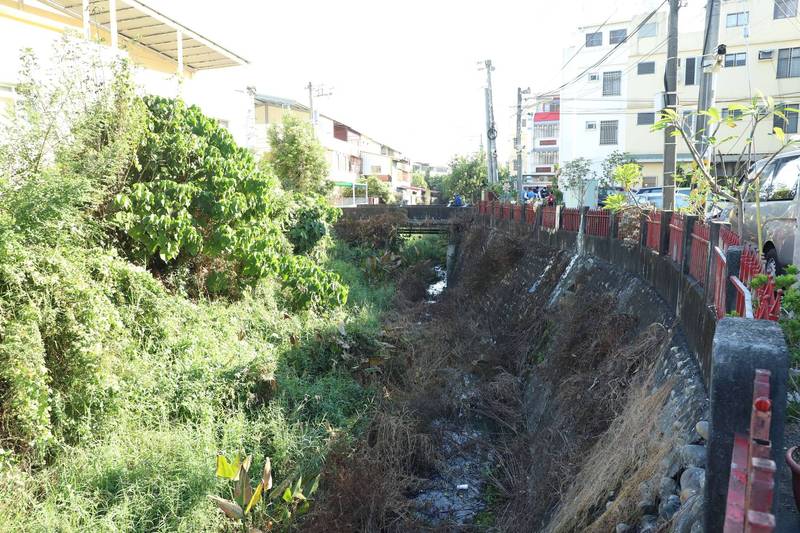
x=551, y=200
x=457, y=201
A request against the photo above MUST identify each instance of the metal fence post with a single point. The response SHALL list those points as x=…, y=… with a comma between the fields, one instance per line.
x=557, y=224
x=688, y=227
x=663, y=245
x=713, y=240
x=643, y=230
x=733, y=258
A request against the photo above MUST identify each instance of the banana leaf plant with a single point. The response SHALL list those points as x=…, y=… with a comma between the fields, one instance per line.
x=289, y=497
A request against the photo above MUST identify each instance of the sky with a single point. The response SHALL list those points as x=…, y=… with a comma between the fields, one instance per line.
x=403, y=72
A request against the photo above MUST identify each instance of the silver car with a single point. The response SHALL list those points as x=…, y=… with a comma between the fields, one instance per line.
x=778, y=191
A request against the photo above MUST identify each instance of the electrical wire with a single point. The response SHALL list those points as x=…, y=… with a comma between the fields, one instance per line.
x=608, y=54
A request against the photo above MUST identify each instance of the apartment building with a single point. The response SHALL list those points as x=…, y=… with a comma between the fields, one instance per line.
x=170, y=58
x=763, y=55
x=614, y=105
x=593, y=100
x=543, y=155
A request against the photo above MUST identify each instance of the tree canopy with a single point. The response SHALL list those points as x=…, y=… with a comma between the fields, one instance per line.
x=296, y=156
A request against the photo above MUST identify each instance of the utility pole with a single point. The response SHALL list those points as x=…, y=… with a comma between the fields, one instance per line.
x=706, y=98
x=319, y=92
x=518, y=141
x=671, y=103
x=491, y=130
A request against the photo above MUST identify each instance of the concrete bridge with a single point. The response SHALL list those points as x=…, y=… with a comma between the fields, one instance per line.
x=419, y=219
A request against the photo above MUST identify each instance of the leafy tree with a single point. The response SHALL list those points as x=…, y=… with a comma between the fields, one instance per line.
x=310, y=219
x=467, y=177
x=610, y=164
x=575, y=175
x=418, y=180
x=735, y=187
x=379, y=189
x=296, y=156
x=199, y=201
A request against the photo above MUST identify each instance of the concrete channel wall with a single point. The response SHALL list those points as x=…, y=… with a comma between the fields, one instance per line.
x=728, y=351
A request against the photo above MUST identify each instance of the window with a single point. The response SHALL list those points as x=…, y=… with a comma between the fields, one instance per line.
x=617, y=36
x=594, y=39
x=545, y=130
x=694, y=70
x=789, y=63
x=646, y=67
x=765, y=54
x=612, y=83
x=790, y=124
x=649, y=181
x=594, y=76
x=591, y=125
x=736, y=60
x=734, y=20
x=648, y=30
x=735, y=114
x=784, y=9
x=779, y=179
x=643, y=119
x=608, y=131
x=375, y=169
x=688, y=123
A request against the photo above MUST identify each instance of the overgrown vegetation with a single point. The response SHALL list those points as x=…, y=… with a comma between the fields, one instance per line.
x=162, y=300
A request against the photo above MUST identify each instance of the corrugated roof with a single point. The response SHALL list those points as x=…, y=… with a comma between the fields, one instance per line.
x=144, y=25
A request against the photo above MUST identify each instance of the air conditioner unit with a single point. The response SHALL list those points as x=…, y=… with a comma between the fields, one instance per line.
x=594, y=76
x=765, y=55
x=591, y=125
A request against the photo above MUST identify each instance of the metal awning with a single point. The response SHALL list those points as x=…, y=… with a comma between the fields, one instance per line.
x=147, y=27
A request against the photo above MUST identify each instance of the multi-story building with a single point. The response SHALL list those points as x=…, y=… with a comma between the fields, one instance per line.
x=612, y=106
x=543, y=141
x=763, y=55
x=170, y=58
x=595, y=93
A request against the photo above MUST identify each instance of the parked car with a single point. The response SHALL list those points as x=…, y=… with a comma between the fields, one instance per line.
x=778, y=190
x=605, y=192
x=656, y=199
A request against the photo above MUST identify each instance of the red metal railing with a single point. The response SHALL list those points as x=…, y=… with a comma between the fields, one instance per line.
x=518, y=212
x=698, y=260
x=506, y=211
x=549, y=216
x=654, y=230
x=765, y=299
x=497, y=209
x=677, y=225
x=598, y=222
x=751, y=486
x=570, y=219
x=720, y=265
x=728, y=237
x=530, y=214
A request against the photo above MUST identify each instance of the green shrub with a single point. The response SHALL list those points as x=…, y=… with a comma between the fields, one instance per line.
x=310, y=220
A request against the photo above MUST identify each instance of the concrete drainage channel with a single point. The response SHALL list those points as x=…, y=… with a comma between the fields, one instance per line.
x=454, y=495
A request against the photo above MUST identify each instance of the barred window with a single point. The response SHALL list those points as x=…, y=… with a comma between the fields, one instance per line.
x=617, y=36
x=789, y=63
x=608, y=131
x=648, y=30
x=784, y=9
x=612, y=83
x=594, y=39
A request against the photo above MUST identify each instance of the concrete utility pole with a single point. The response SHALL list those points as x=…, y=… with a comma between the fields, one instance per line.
x=671, y=102
x=491, y=130
x=319, y=92
x=706, y=98
x=518, y=141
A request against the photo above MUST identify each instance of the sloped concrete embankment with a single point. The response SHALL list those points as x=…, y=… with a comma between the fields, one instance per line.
x=609, y=433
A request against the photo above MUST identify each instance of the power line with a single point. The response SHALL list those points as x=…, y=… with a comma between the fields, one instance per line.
x=609, y=53
x=583, y=45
